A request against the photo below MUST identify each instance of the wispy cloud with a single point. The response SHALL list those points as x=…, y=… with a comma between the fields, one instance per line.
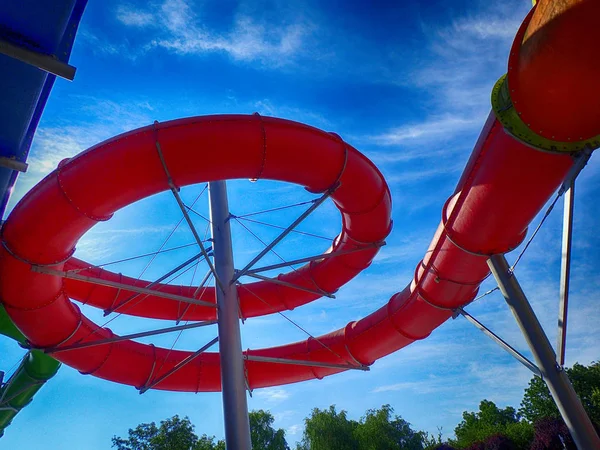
x=421, y=174
x=273, y=395
x=430, y=129
x=295, y=429
x=269, y=108
x=132, y=17
x=463, y=56
x=428, y=386
x=177, y=26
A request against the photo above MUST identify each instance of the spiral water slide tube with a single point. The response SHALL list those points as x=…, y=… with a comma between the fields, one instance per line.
x=32, y=373
x=545, y=111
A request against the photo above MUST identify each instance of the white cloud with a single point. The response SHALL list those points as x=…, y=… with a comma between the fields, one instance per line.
x=419, y=387
x=177, y=26
x=282, y=415
x=273, y=395
x=295, y=429
x=463, y=57
x=431, y=128
x=417, y=175
x=133, y=18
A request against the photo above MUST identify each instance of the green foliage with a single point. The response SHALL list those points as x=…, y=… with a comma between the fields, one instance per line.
x=489, y=421
x=432, y=442
x=489, y=428
x=208, y=443
x=264, y=436
x=173, y=434
x=537, y=402
x=378, y=430
x=327, y=430
x=178, y=434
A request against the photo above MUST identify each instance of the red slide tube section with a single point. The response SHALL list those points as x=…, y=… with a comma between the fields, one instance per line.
x=504, y=185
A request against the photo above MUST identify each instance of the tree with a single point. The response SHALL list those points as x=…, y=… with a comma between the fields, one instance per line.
x=208, y=443
x=328, y=430
x=378, y=430
x=264, y=436
x=178, y=434
x=173, y=434
x=537, y=402
x=433, y=442
x=477, y=427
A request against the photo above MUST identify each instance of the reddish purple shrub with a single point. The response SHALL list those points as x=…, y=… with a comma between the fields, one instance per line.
x=499, y=442
x=550, y=434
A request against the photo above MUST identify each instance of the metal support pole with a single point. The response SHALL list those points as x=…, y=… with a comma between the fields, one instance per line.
x=565, y=273
x=569, y=404
x=233, y=382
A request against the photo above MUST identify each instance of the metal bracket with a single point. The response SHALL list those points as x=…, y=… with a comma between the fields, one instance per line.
x=11, y=163
x=47, y=63
x=580, y=161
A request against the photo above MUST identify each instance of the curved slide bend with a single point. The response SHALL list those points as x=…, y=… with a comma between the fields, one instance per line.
x=549, y=103
x=35, y=369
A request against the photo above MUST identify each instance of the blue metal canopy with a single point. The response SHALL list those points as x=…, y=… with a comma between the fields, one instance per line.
x=36, y=37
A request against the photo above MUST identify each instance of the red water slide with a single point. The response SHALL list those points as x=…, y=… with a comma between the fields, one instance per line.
x=545, y=110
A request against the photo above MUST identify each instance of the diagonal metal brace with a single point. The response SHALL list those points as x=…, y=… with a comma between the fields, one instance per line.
x=101, y=282
x=285, y=232
x=299, y=362
x=184, y=210
x=178, y=366
x=290, y=285
x=501, y=342
x=316, y=258
x=127, y=337
x=154, y=283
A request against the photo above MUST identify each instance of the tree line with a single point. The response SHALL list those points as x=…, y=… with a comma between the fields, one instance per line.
x=536, y=425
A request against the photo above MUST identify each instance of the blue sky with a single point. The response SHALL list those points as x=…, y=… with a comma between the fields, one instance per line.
x=408, y=84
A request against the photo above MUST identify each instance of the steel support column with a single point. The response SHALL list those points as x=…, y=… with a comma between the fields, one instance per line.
x=233, y=382
x=565, y=273
x=556, y=378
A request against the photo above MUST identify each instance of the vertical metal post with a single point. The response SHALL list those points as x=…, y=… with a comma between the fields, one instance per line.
x=233, y=381
x=565, y=272
x=556, y=378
